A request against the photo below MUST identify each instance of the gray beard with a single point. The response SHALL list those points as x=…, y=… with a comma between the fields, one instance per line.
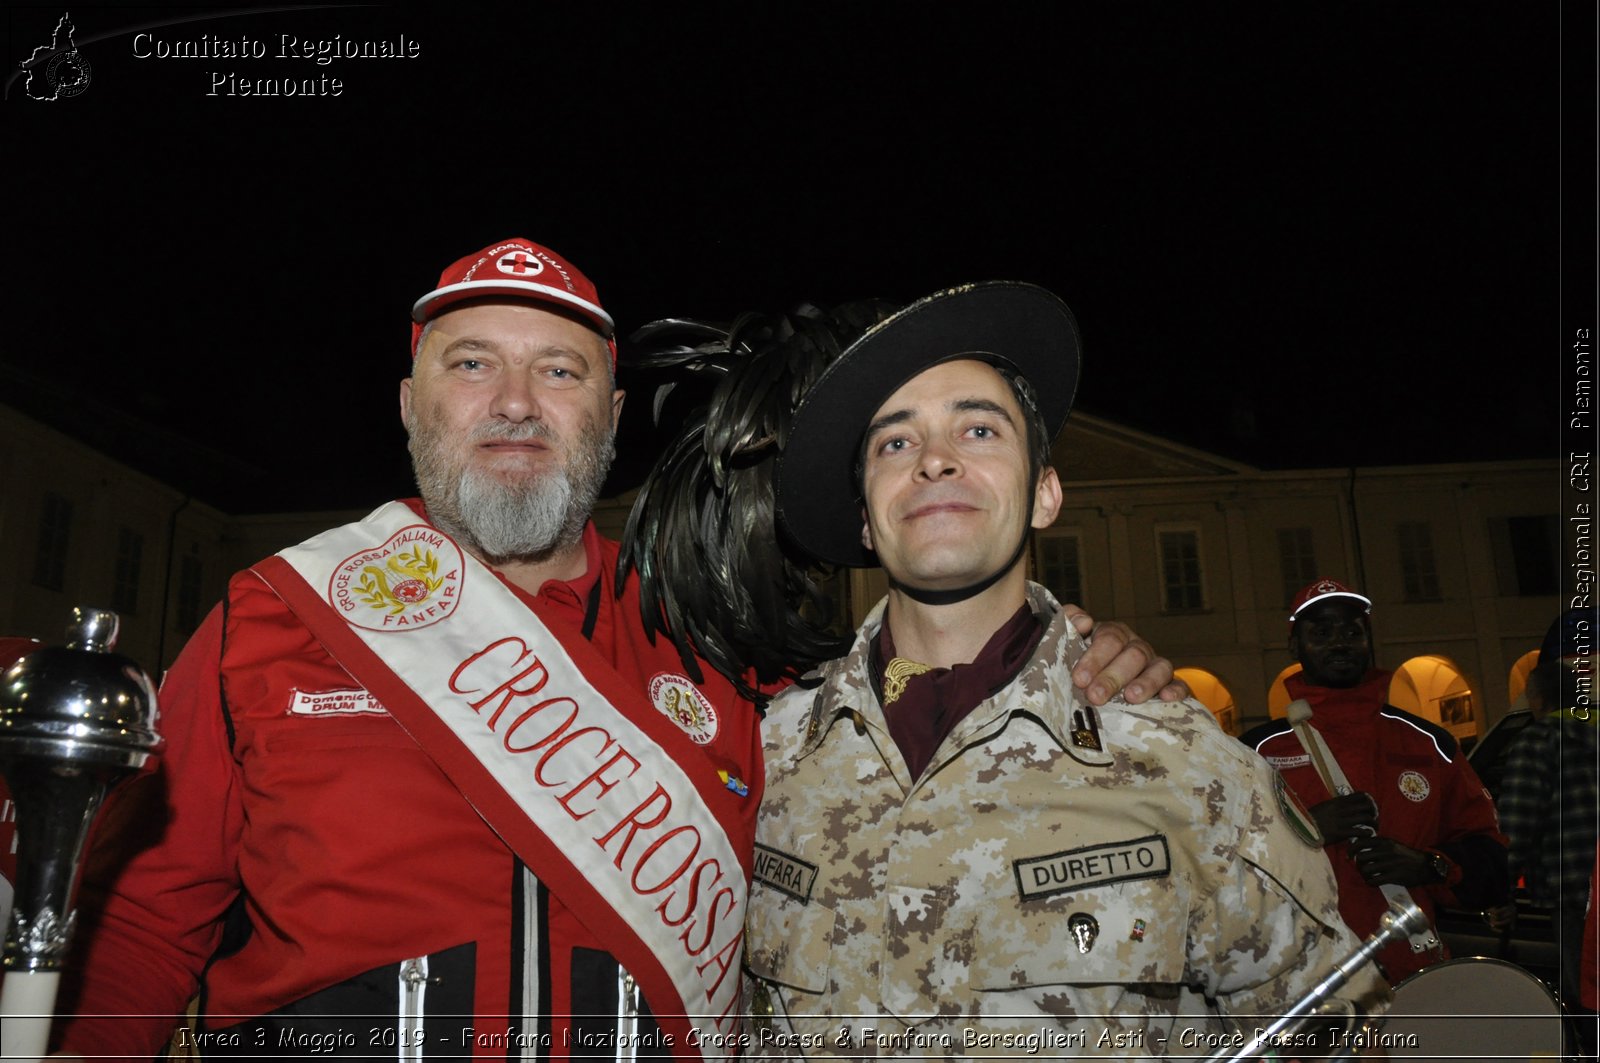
x=517, y=522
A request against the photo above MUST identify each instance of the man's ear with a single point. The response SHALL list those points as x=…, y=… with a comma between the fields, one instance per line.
x=405, y=402
x=866, y=529
x=1047, y=498
x=616, y=407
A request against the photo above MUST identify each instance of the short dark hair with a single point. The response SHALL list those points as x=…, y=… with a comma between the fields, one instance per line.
x=1038, y=432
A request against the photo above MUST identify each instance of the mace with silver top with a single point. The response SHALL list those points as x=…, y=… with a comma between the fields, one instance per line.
x=74, y=720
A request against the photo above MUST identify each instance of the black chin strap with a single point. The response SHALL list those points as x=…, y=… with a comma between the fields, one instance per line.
x=959, y=594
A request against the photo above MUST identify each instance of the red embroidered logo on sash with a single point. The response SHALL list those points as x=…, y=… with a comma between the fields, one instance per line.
x=411, y=581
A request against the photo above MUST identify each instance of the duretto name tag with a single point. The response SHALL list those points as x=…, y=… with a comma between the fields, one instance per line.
x=1092, y=865
x=789, y=875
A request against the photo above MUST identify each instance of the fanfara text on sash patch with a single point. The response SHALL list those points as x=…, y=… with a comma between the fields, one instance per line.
x=1092, y=865
x=411, y=581
x=681, y=701
x=787, y=874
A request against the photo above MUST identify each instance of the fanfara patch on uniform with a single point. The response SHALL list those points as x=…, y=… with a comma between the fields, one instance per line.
x=411, y=581
x=1414, y=785
x=789, y=875
x=681, y=701
x=335, y=703
x=1295, y=813
x=1283, y=763
x=1092, y=865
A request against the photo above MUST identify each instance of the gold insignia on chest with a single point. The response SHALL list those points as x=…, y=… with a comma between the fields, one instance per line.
x=895, y=675
x=761, y=1009
x=1086, y=728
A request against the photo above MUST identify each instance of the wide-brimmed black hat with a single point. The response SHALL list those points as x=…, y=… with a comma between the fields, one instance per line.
x=1002, y=322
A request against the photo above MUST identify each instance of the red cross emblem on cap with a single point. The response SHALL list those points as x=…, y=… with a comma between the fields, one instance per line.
x=519, y=264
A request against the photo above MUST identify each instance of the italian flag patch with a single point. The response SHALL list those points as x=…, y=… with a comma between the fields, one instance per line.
x=1295, y=812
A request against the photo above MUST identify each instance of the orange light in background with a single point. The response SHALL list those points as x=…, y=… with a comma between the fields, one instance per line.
x=1209, y=691
x=1278, y=695
x=1433, y=687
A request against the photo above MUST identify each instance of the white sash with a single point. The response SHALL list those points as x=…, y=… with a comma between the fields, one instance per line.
x=591, y=796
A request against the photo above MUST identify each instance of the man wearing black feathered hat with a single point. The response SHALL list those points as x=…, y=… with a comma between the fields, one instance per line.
x=956, y=851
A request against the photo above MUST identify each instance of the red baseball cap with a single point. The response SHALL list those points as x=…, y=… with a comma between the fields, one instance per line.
x=1325, y=588
x=517, y=269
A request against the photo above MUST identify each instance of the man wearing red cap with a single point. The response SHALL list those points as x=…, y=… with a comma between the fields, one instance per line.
x=1397, y=804
x=429, y=783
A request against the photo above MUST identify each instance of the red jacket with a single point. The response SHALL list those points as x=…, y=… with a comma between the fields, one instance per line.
x=1428, y=795
x=318, y=833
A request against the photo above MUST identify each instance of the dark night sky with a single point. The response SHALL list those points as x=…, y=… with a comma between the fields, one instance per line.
x=1297, y=234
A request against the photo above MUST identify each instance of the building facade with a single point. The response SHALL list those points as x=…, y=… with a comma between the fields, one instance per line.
x=1198, y=553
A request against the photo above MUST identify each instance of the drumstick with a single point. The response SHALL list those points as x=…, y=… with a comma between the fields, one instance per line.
x=1333, y=778
x=1299, y=716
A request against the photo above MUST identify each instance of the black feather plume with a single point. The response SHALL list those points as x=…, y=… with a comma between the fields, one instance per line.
x=716, y=576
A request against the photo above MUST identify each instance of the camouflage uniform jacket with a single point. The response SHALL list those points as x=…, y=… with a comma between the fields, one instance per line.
x=1060, y=881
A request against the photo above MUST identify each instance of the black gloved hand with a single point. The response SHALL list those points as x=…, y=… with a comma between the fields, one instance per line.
x=1347, y=818
x=1383, y=860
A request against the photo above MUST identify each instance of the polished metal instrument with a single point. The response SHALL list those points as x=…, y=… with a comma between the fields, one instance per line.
x=74, y=720
x=1401, y=920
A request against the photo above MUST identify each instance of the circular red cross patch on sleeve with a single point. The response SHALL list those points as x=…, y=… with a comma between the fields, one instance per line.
x=681, y=702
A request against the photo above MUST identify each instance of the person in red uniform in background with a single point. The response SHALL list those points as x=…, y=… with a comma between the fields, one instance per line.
x=387, y=815
x=1415, y=814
